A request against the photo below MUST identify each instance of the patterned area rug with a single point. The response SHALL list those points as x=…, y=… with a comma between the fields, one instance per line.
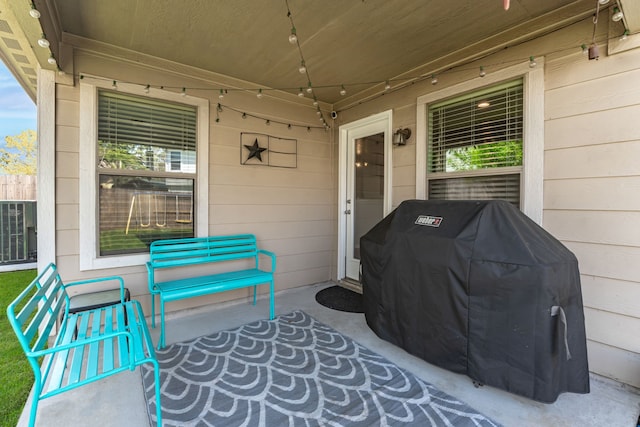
x=293, y=371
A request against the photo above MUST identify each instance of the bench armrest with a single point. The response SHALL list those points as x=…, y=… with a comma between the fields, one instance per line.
x=85, y=341
x=273, y=258
x=101, y=279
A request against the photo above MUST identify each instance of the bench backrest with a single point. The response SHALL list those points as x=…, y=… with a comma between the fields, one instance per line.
x=34, y=312
x=199, y=250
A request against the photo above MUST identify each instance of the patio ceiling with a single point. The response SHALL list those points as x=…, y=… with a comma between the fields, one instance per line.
x=355, y=43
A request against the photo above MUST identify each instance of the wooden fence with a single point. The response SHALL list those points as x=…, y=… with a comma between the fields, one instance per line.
x=18, y=187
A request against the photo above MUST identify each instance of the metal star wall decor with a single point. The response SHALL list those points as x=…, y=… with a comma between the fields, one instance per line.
x=255, y=150
x=259, y=149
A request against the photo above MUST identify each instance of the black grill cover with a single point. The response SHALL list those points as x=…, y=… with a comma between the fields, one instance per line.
x=478, y=288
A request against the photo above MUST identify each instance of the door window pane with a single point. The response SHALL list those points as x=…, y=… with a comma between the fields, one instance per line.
x=368, y=186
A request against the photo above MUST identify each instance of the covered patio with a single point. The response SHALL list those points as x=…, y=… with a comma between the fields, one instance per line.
x=306, y=123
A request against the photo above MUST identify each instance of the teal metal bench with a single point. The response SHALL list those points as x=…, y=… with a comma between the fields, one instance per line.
x=88, y=346
x=190, y=252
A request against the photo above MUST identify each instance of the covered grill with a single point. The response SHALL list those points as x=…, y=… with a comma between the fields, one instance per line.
x=478, y=288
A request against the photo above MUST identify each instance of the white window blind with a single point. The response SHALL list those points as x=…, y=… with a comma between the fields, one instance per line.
x=133, y=127
x=475, y=145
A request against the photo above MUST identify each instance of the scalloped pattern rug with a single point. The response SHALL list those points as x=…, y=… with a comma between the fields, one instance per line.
x=293, y=371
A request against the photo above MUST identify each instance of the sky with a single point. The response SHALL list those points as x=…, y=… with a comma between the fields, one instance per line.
x=17, y=110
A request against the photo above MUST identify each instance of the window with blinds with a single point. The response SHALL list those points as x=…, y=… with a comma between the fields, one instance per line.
x=475, y=145
x=146, y=171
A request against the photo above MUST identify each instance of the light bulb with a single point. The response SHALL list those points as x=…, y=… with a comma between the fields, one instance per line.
x=289, y=127
x=532, y=62
x=52, y=60
x=434, y=79
x=617, y=14
x=259, y=95
x=318, y=112
x=300, y=93
x=43, y=42
x=244, y=115
x=624, y=35
x=309, y=88
x=315, y=101
x=302, y=69
x=293, y=38
x=268, y=123
x=603, y=2
x=35, y=13
x=114, y=85
x=147, y=88
x=221, y=94
x=184, y=91
x=343, y=91
x=584, y=48
x=482, y=72
x=387, y=86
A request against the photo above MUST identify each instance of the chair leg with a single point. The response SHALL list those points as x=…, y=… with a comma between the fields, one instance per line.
x=254, y=293
x=161, y=343
x=156, y=374
x=153, y=310
x=34, y=405
x=272, y=305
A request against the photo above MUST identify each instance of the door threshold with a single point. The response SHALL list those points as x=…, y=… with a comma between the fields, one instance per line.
x=351, y=284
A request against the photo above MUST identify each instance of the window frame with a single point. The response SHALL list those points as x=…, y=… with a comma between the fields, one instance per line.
x=531, y=179
x=88, y=174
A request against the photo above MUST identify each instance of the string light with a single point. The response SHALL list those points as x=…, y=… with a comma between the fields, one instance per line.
x=114, y=85
x=52, y=60
x=147, y=89
x=624, y=35
x=532, y=62
x=387, y=86
x=220, y=108
x=259, y=95
x=43, y=42
x=35, y=13
x=617, y=14
x=342, y=87
x=293, y=38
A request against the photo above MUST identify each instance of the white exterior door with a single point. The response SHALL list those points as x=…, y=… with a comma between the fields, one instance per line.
x=365, y=148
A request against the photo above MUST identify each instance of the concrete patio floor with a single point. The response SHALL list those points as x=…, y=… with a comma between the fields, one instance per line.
x=119, y=401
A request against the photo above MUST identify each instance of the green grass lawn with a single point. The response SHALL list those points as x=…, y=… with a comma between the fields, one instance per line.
x=16, y=374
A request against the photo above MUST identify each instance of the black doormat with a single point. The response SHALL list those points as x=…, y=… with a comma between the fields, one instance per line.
x=342, y=299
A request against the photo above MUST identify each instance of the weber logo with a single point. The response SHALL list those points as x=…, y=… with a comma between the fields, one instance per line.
x=431, y=221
